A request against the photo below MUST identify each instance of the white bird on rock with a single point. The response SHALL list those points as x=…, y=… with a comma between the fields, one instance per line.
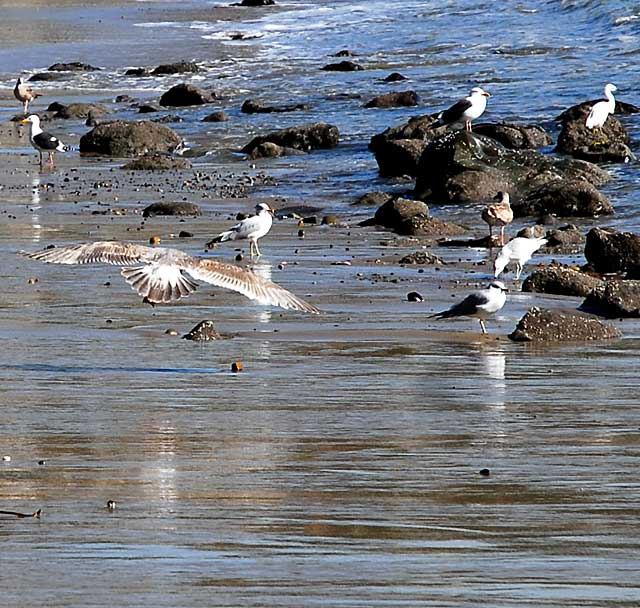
x=518, y=250
x=466, y=110
x=600, y=111
x=479, y=304
x=498, y=214
x=43, y=141
x=251, y=228
x=164, y=275
x=24, y=94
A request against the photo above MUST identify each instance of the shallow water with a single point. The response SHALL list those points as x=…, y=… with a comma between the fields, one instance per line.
x=341, y=468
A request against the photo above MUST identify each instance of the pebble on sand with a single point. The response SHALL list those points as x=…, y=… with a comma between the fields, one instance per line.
x=414, y=296
x=154, y=240
x=237, y=366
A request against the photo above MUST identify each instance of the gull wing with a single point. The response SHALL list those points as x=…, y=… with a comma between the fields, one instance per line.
x=100, y=252
x=455, y=112
x=466, y=308
x=245, y=282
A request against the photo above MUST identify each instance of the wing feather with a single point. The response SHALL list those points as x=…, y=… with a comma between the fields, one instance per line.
x=100, y=252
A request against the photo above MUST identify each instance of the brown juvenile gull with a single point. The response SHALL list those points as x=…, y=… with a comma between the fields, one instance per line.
x=498, y=214
x=24, y=94
x=43, y=141
x=163, y=276
x=465, y=110
x=251, y=228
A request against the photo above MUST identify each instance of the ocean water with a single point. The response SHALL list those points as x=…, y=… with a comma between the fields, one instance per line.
x=342, y=467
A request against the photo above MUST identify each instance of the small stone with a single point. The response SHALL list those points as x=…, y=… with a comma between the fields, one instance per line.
x=239, y=257
x=154, y=240
x=485, y=472
x=184, y=234
x=237, y=366
x=32, y=281
x=171, y=332
x=414, y=296
x=204, y=331
x=330, y=220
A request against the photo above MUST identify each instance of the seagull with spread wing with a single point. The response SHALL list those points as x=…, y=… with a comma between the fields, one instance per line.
x=166, y=275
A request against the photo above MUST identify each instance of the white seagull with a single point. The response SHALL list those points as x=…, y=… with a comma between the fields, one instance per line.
x=466, y=110
x=24, y=94
x=479, y=304
x=518, y=250
x=165, y=275
x=43, y=141
x=600, y=111
x=251, y=228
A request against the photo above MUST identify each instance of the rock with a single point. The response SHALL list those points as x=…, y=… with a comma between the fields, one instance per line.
x=237, y=366
x=421, y=257
x=157, y=162
x=532, y=232
x=169, y=118
x=614, y=299
x=186, y=95
x=124, y=99
x=254, y=107
x=137, y=72
x=330, y=220
x=515, y=137
x=147, y=108
x=171, y=208
x=399, y=157
x=541, y=325
x=561, y=281
x=79, y=111
x=218, y=116
x=342, y=66
x=257, y=3
x=422, y=225
x=394, y=77
x=373, y=198
x=73, y=66
x=414, y=296
x=271, y=150
x=203, y=332
x=610, y=251
x=566, y=238
x=154, y=240
x=582, y=110
x=395, y=212
x=180, y=67
x=129, y=138
x=310, y=137
x=47, y=76
x=394, y=100
x=344, y=53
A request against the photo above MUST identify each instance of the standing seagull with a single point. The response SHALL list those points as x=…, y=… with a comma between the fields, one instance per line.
x=43, y=141
x=466, y=110
x=518, y=250
x=498, y=214
x=479, y=304
x=600, y=111
x=251, y=228
x=24, y=94
x=163, y=276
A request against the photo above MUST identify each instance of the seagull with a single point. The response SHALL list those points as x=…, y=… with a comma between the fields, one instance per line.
x=162, y=276
x=600, y=111
x=479, y=304
x=251, y=228
x=518, y=250
x=498, y=214
x=466, y=110
x=43, y=141
x=24, y=94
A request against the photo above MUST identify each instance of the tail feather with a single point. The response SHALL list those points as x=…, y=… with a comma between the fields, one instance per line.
x=227, y=235
x=157, y=284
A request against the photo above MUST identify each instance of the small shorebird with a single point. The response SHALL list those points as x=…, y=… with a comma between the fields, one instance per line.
x=43, y=141
x=162, y=277
x=498, y=214
x=518, y=250
x=600, y=111
x=478, y=304
x=251, y=228
x=24, y=94
x=465, y=110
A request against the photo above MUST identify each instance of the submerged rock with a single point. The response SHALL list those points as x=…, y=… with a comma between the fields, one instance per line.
x=157, y=162
x=614, y=299
x=610, y=251
x=342, y=66
x=186, y=95
x=255, y=107
x=123, y=139
x=203, y=332
x=561, y=281
x=542, y=325
x=171, y=208
x=179, y=67
x=308, y=137
x=73, y=66
x=270, y=150
x=219, y=116
x=394, y=100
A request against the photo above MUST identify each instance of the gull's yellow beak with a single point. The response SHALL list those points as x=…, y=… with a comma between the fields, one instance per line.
x=24, y=121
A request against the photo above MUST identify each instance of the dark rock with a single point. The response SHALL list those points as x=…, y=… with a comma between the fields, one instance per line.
x=374, y=198
x=184, y=234
x=257, y=3
x=581, y=110
x=566, y=238
x=129, y=138
x=331, y=220
x=614, y=299
x=344, y=53
x=532, y=232
x=271, y=150
x=610, y=251
x=203, y=332
x=516, y=137
x=541, y=325
x=169, y=118
x=310, y=220
x=254, y=107
x=180, y=67
x=423, y=225
x=394, y=100
x=395, y=212
x=186, y=95
x=475, y=243
x=73, y=66
x=178, y=208
x=47, y=76
x=218, y=116
x=147, y=108
x=395, y=77
x=137, y=72
x=310, y=137
x=80, y=111
x=421, y=258
x=124, y=99
x=561, y=281
x=414, y=296
x=342, y=66
x=399, y=156
x=157, y=162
